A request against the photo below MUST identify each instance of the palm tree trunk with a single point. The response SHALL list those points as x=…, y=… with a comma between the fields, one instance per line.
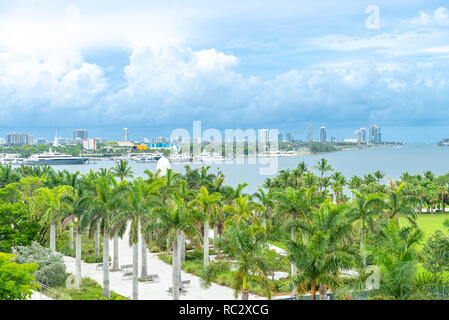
x=143, y=245
x=97, y=241
x=180, y=242
x=206, y=244
x=115, y=260
x=293, y=266
x=53, y=236
x=183, y=247
x=71, y=238
x=78, y=258
x=313, y=290
x=323, y=292
x=135, y=271
x=175, y=272
x=362, y=247
x=106, y=291
x=245, y=294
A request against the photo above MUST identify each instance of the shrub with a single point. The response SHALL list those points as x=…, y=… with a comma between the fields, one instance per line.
x=16, y=280
x=51, y=271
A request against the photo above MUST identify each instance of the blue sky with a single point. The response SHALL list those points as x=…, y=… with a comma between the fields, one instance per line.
x=155, y=66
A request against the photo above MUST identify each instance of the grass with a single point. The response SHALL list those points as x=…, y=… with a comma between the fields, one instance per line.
x=429, y=223
x=90, y=290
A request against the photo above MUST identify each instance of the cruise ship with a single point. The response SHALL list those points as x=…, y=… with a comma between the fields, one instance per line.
x=55, y=158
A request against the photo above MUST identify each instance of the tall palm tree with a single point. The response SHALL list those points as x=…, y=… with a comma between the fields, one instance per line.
x=320, y=254
x=247, y=247
x=243, y=209
x=268, y=202
x=323, y=166
x=135, y=212
x=364, y=210
x=121, y=170
x=48, y=204
x=397, y=204
x=207, y=204
x=103, y=204
x=379, y=175
x=293, y=205
x=78, y=206
x=173, y=218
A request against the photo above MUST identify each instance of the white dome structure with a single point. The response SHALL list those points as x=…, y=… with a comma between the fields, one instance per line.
x=163, y=164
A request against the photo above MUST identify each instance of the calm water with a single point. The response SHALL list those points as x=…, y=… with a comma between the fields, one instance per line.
x=391, y=160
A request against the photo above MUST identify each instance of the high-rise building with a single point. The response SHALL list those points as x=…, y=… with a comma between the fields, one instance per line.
x=263, y=139
x=290, y=137
x=374, y=134
x=126, y=134
x=363, y=134
x=19, y=139
x=280, y=137
x=323, y=134
x=42, y=141
x=80, y=134
x=310, y=133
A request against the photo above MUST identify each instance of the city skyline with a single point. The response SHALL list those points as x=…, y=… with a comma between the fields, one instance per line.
x=149, y=64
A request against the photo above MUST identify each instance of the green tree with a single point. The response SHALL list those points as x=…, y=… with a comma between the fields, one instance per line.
x=16, y=280
x=436, y=254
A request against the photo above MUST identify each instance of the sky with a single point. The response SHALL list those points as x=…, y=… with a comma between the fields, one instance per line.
x=154, y=66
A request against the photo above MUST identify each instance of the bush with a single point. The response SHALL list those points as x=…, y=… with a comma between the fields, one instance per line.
x=51, y=271
x=16, y=280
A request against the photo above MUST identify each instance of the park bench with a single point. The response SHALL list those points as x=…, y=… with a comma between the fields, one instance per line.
x=151, y=277
x=100, y=265
x=127, y=274
x=186, y=283
x=170, y=291
x=123, y=267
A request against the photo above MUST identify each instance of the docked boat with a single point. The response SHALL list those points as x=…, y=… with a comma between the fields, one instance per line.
x=55, y=158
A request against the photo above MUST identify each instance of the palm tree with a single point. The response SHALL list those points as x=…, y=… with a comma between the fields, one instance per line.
x=292, y=205
x=139, y=200
x=379, y=175
x=103, y=204
x=323, y=166
x=397, y=204
x=243, y=209
x=247, y=248
x=364, y=210
x=78, y=206
x=207, y=204
x=320, y=254
x=173, y=218
x=122, y=171
x=268, y=202
x=48, y=204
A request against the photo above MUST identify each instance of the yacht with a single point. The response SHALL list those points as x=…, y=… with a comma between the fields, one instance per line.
x=55, y=158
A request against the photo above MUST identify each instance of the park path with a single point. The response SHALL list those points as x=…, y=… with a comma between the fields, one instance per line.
x=152, y=290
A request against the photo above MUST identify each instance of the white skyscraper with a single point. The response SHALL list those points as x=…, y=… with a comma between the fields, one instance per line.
x=126, y=134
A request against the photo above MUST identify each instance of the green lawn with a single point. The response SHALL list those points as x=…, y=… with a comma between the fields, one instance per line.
x=429, y=223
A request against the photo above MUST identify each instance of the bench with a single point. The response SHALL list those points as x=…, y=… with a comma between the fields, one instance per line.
x=151, y=277
x=170, y=291
x=186, y=283
x=127, y=274
x=100, y=265
x=123, y=267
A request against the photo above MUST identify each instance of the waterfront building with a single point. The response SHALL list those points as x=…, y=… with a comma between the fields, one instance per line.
x=363, y=134
x=323, y=134
x=280, y=137
x=263, y=139
x=290, y=137
x=90, y=144
x=42, y=141
x=79, y=134
x=19, y=139
x=126, y=134
x=310, y=133
x=374, y=134
x=2, y=141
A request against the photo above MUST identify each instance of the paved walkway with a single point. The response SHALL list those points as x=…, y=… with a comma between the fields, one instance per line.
x=151, y=290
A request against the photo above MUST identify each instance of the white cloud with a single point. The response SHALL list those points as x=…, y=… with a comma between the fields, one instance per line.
x=439, y=17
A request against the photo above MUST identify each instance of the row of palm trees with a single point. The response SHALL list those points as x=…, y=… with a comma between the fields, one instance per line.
x=327, y=229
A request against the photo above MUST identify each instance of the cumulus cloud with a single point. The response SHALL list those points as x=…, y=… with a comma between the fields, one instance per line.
x=439, y=17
